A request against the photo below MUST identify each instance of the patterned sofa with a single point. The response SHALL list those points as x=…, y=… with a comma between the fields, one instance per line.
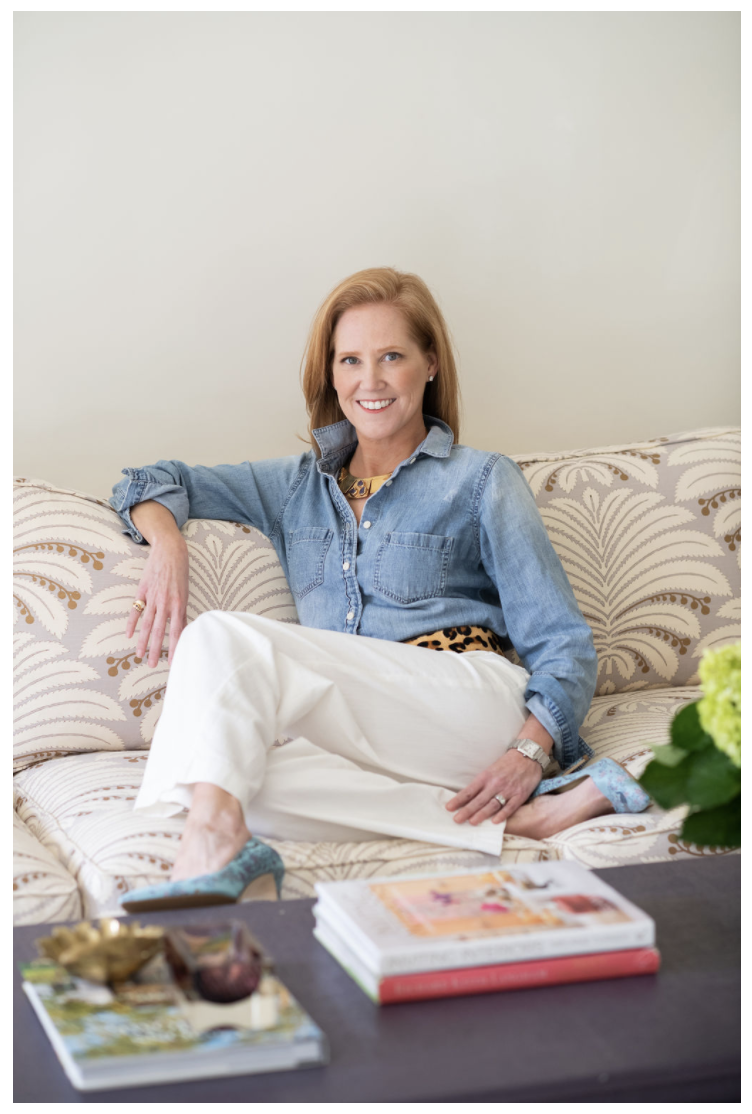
x=648, y=533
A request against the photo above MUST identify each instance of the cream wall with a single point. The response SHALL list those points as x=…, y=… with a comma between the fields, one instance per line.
x=190, y=185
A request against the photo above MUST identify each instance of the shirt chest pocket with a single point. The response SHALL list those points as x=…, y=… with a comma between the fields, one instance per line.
x=306, y=553
x=412, y=567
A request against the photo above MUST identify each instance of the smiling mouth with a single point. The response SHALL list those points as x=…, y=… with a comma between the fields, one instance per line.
x=375, y=404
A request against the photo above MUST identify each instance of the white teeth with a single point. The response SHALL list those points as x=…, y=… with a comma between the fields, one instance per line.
x=380, y=404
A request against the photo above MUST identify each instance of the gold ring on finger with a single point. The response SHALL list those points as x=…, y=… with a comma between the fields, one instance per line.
x=139, y=605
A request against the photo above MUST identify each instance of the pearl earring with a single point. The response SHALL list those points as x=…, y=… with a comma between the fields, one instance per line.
x=430, y=379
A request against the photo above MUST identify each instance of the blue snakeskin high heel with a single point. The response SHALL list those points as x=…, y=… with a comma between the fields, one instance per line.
x=612, y=781
x=250, y=873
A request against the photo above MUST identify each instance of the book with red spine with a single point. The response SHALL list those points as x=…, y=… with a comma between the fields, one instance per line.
x=515, y=976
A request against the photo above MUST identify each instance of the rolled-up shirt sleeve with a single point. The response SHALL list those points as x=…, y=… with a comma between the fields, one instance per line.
x=543, y=619
x=251, y=493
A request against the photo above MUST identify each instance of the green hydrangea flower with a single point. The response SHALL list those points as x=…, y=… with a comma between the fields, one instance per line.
x=720, y=710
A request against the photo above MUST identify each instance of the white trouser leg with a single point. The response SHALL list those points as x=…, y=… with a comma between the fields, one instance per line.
x=385, y=733
x=311, y=795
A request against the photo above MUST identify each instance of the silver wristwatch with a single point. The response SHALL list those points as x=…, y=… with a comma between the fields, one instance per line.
x=532, y=750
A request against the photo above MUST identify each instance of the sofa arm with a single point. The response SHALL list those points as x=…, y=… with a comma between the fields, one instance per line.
x=43, y=890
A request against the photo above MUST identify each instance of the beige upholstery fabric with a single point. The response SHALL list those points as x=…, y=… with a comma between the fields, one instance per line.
x=650, y=537
x=43, y=890
x=648, y=533
x=79, y=687
x=81, y=808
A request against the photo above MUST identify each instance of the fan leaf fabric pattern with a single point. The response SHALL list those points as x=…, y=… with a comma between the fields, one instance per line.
x=79, y=686
x=650, y=537
x=43, y=890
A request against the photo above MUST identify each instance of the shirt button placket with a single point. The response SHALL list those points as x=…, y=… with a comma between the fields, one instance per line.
x=351, y=614
x=346, y=568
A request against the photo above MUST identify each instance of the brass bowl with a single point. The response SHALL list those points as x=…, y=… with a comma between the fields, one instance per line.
x=109, y=953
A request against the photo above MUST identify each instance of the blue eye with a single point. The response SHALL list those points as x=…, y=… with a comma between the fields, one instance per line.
x=346, y=359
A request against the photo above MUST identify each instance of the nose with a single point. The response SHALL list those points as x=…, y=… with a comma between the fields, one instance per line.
x=371, y=374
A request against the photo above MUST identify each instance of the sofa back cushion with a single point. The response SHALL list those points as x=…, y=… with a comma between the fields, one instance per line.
x=650, y=537
x=648, y=533
x=78, y=684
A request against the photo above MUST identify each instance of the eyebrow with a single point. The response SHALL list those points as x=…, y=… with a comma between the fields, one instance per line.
x=388, y=348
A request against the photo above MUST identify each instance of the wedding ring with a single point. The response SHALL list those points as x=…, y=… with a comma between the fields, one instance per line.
x=139, y=605
x=502, y=800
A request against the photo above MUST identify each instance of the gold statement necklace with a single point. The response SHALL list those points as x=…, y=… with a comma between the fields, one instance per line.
x=354, y=488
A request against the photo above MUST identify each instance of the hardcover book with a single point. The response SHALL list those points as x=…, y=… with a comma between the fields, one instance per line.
x=154, y=1034
x=458, y=981
x=479, y=917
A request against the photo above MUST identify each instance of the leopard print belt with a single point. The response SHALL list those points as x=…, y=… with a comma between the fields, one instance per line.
x=459, y=639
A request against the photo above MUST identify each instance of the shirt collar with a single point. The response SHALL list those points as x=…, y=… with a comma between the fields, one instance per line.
x=333, y=439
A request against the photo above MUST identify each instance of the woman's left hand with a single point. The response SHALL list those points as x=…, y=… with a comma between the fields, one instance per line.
x=513, y=776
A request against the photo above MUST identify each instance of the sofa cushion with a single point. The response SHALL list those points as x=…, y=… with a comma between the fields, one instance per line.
x=78, y=685
x=649, y=534
x=43, y=890
x=82, y=808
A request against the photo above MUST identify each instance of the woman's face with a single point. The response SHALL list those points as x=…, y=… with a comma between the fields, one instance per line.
x=380, y=373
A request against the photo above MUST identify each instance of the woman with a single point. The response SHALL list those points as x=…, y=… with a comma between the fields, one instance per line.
x=390, y=530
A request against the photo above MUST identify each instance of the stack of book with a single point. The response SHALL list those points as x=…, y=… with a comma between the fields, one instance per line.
x=434, y=936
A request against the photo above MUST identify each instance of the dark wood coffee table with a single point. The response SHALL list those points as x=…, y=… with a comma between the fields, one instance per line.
x=670, y=1037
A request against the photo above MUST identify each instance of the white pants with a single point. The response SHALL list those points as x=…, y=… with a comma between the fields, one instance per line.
x=383, y=734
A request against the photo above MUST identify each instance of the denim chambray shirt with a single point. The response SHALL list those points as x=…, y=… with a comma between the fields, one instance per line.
x=454, y=537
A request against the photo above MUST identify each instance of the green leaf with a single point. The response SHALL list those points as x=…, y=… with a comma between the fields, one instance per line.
x=667, y=785
x=686, y=730
x=715, y=827
x=669, y=755
x=713, y=779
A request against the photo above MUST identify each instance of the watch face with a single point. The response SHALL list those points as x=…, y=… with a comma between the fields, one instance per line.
x=532, y=750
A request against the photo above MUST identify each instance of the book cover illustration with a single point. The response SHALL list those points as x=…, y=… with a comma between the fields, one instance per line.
x=95, y=1023
x=495, y=903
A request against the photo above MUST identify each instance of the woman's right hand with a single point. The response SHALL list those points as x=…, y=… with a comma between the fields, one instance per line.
x=164, y=590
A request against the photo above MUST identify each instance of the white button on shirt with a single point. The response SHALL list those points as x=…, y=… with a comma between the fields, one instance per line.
x=388, y=483
x=350, y=615
x=346, y=565
x=366, y=525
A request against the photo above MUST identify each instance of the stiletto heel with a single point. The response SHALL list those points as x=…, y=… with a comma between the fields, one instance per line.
x=611, y=779
x=256, y=871
x=261, y=889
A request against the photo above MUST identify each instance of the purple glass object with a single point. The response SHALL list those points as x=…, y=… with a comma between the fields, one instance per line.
x=220, y=963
